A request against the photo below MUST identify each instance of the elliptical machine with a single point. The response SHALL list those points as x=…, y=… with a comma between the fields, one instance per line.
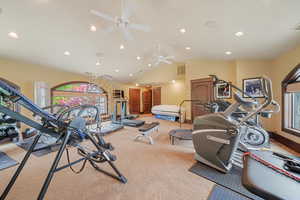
x=256, y=136
x=216, y=136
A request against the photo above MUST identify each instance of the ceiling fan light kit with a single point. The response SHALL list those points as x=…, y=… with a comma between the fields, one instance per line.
x=122, y=23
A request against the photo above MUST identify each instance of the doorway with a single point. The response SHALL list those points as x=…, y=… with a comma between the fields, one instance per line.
x=147, y=101
x=203, y=90
x=156, y=96
x=134, y=100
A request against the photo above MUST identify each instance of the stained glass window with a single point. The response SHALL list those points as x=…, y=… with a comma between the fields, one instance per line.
x=80, y=93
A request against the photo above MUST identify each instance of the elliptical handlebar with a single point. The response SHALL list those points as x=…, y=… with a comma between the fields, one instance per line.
x=268, y=96
x=267, y=93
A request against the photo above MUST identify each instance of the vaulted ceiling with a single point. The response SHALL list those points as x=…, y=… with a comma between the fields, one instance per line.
x=46, y=29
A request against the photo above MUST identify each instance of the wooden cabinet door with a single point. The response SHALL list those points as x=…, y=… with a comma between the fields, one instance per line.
x=201, y=89
x=156, y=96
x=134, y=100
x=147, y=101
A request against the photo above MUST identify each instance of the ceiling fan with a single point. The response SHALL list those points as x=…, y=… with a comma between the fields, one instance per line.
x=94, y=76
x=159, y=58
x=122, y=22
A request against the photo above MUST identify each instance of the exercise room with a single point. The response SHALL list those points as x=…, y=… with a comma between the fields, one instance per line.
x=150, y=100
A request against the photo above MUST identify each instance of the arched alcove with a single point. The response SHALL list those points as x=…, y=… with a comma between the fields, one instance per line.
x=79, y=93
x=291, y=102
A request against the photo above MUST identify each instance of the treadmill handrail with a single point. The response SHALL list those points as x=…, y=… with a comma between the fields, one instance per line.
x=187, y=100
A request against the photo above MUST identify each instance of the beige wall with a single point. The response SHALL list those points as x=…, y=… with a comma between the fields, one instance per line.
x=173, y=93
x=197, y=69
x=281, y=66
x=24, y=75
x=161, y=74
x=234, y=71
x=252, y=68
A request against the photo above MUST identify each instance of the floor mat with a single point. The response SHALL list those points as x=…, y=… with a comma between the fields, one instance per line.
x=6, y=161
x=222, y=193
x=27, y=143
x=231, y=180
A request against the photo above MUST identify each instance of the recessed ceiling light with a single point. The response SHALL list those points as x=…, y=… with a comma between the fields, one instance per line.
x=130, y=74
x=67, y=53
x=93, y=28
x=173, y=81
x=228, y=52
x=239, y=34
x=13, y=35
x=116, y=70
x=187, y=48
x=122, y=46
x=137, y=84
x=138, y=58
x=149, y=65
x=182, y=30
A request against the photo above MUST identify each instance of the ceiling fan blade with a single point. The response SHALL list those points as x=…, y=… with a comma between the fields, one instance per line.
x=102, y=15
x=127, y=34
x=167, y=62
x=109, y=29
x=157, y=62
x=126, y=10
x=140, y=27
x=107, y=77
x=169, y=57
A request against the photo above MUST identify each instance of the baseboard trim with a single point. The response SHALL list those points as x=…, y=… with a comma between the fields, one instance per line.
x=285, y=141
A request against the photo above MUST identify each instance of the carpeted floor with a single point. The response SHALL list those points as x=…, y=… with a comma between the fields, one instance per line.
x=156, y=172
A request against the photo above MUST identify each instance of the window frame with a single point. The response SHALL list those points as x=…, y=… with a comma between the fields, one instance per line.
x=287, y=101
x=104, y=94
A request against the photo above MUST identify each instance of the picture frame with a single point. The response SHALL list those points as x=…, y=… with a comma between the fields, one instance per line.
x=223, y=91
x=253, y=86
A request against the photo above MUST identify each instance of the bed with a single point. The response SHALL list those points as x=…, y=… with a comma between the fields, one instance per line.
x=168, y=112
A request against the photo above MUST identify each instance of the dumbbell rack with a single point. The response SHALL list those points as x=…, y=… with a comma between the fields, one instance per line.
x=5, y=126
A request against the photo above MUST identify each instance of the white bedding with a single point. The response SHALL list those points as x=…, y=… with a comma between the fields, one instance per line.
x=171, y=110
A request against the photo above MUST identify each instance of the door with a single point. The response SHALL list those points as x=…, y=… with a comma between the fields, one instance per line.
x=134, y=100
x=201, y=89
x=147, y=101
x=156, y=96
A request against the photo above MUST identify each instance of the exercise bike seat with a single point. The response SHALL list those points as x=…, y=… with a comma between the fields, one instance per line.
x=243, y=102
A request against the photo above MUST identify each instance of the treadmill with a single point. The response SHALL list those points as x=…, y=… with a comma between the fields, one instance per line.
x=124, y=119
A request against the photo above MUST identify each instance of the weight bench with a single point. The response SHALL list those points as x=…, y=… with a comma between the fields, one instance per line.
x=145, y=131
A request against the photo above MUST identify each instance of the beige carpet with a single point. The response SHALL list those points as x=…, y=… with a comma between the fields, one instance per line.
x=154, y=172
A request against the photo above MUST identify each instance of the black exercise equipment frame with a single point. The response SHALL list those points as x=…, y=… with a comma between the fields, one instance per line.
x=50, y=125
